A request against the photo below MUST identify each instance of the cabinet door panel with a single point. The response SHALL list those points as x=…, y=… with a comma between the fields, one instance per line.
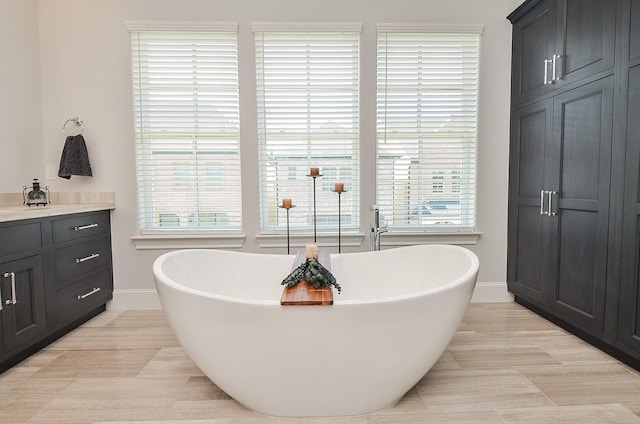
x=629, y=328
x=24, y=320
x=577, y=273
x=529, y=272
x=531, y=129
x=533, y=42
x=583, y=134
x=586, y=37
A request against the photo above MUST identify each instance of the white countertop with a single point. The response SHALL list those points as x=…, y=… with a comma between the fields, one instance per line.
x=14, y=213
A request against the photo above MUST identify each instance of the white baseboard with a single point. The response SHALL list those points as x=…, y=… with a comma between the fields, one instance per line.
x=134, y=299
x=141, y=299
x=491, y=292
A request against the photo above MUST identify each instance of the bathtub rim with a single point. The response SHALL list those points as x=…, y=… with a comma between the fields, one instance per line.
x=470, y=273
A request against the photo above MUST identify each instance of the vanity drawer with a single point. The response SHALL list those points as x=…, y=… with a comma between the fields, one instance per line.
x=79, y=226
x=84, y=295
x=18, y=238
x=81, y=258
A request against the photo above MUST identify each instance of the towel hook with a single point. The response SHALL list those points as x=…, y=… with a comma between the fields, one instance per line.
x=76, y=120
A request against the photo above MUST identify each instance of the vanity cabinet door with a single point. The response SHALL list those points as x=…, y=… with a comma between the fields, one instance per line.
x=23, y=301
x=529, y=231
x=533, y=45
x=583, y=131
x=559, y=42
x=585, y=39
x=629, y=326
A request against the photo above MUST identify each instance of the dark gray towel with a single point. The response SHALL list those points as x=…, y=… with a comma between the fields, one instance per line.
x=75, y=159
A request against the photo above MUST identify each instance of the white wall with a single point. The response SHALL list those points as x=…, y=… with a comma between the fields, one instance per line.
x=85, y=71
x=20, y=114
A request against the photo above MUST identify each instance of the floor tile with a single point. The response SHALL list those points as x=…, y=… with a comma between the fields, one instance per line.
x=479, y=390
x=505, y=365
x=585, y=384
x=96, y=363
x=482, y=417
x=584, y=414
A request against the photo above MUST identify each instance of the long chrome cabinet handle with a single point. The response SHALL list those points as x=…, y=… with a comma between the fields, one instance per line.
x=550, y=195
x=542, y=211
x=94, y=291
x=547, y=81
x=85, y=227
x=87, y=258
x=554, y=75
x=13, y=299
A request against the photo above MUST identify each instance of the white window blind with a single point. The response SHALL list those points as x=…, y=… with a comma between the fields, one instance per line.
x=185, y=88
x=427, y=129
x=308, y=116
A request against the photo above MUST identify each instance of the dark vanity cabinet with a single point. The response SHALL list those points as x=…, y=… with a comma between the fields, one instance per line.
x=55, y=272
x=574, y=203
x=22, y=283
x=81, y=254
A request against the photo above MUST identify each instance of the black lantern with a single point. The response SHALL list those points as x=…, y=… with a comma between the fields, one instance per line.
x=36, y=196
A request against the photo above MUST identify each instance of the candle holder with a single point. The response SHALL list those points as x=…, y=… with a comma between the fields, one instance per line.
x=315, y=230
x=339, y=218
x=286, y=208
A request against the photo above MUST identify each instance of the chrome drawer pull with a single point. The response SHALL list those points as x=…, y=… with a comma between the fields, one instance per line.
x=13, y=300
x=94, y=291
x=80, y=260
x=84, y=227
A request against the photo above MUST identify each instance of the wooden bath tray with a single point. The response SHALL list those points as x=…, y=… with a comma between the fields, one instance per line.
x=303, y=293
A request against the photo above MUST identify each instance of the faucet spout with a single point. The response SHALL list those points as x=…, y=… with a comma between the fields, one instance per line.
x=376, y=229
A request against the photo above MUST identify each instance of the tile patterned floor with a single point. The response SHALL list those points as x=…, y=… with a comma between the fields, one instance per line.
x=505, y=365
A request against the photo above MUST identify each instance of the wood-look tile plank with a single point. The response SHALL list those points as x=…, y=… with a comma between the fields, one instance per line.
x=496, y=350
x=585, y=384
x=21, y=399
x=102, y=319
x=569, y=349
x=107, y=363
x=171, y=361
x=144, y=319
x=411, y=403
x=112, y=399
x=584, y=414
x=479, y=390
x=453, y=417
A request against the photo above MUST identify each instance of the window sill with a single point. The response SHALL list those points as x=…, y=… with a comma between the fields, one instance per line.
x=301, y=240
x=188, y=241
x=398, y=238
x=297, y=241
x=389, y=239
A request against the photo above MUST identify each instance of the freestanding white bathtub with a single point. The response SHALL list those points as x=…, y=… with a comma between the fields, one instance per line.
x=398, y=310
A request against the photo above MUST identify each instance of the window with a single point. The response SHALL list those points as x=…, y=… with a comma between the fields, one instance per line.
x=308, y=116
x=185, y=87
x=426, y=127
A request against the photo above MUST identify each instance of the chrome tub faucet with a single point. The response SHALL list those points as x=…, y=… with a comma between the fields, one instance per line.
x=376, y=229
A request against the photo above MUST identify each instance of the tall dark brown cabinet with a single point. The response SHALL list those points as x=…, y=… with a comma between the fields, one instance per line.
x=574, y=203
